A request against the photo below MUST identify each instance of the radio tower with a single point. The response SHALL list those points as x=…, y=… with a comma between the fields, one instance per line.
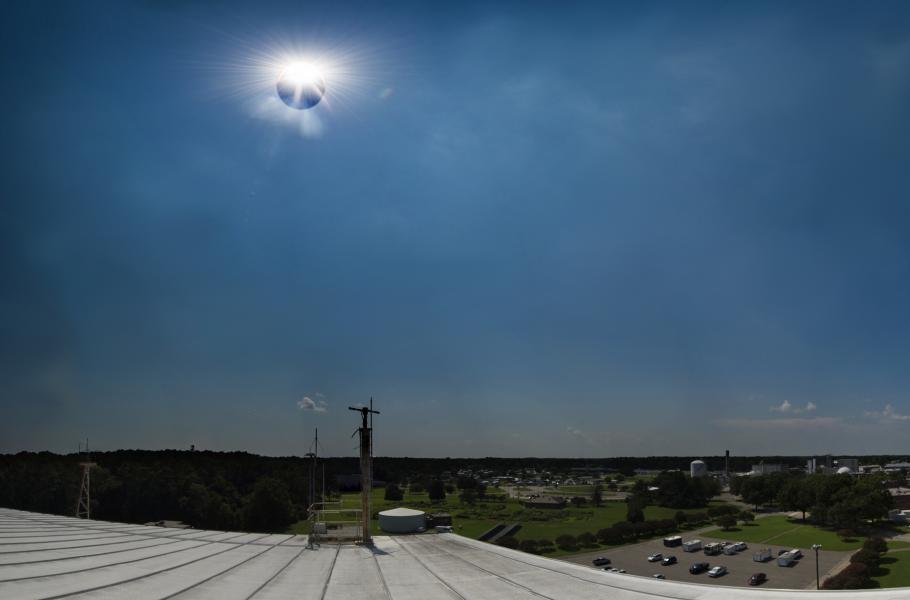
x=366, y=467
x=84, y=504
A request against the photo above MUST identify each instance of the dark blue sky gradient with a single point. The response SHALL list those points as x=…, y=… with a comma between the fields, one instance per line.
x=531, y=230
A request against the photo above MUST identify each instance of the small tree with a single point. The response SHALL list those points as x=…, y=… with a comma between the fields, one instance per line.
x=680, y=518
x=393, y=493
x=746, y=516
x=566, y=541
x=507, y=542
x=468, y=496
x=529, y=546
x=597, y=495
x=578, y=501
x=726, y=522
x=437, y=491
x=635, y=509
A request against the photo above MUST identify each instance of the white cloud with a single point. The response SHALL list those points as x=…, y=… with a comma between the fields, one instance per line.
x=319, y=405
x=887, y=414
x=786, y=407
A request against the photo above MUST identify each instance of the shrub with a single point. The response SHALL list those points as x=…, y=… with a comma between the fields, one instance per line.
x=610, y=535
x=876, y=544
x=529, y=546
x=869, y=558
x=566, y=541
x=587, y=539
x=746, y=516
x=507, y=542
x=680, y=517
x=854, y=577
x=625, y=529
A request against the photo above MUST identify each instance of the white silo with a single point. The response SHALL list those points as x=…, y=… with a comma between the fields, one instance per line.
x=698, y=468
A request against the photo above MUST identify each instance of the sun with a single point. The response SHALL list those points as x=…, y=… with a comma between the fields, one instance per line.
x=301, y=84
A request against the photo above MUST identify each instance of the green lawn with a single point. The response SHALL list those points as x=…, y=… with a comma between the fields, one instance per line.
x=782, y=531
x=893, y=570
x=473, y=521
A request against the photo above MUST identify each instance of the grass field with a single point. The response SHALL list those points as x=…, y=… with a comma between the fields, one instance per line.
x=893, y=570
x=473, y=521
x=786, y=532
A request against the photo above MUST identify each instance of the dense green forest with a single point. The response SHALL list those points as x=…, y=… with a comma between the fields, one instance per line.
x=238, y=490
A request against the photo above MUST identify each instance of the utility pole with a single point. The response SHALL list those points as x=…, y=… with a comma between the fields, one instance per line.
x=84, y=503
x=817, y=547
x=366, y=467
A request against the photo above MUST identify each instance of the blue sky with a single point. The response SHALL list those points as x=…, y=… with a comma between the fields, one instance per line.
x=524, y=229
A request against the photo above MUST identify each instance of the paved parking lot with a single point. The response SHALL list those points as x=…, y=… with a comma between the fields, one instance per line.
x=634, y=559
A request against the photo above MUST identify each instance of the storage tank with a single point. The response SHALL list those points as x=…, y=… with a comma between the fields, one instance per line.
x=402, y=520
x=698, y=468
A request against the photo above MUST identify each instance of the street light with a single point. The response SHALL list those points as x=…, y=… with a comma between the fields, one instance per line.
x=816, y=547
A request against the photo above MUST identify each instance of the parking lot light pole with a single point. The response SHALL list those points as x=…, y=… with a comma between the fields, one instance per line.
x=816, y=547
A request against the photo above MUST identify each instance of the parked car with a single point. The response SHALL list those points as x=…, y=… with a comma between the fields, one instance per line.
x=699, y=567
x=668, y=560
x=659, y=576
x=758, y=579
x=782, y=552
x=797, y=553
x=656, y=557
x=601, y=561
x=717, y=571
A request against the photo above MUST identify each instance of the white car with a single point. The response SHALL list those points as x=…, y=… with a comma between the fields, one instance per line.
x=656, y=557
x=659, y=576
x=717, y=571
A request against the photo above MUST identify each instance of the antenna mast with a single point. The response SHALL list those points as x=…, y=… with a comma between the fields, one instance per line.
x=366, y=466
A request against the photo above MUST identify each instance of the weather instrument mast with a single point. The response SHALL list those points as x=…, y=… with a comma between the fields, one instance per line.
x=84, y=503
x=366, y=467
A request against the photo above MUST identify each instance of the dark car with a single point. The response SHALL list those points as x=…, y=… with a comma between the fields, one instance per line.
x=601, y=561
x=668, y=560
x=699, y=567
x=758, y=579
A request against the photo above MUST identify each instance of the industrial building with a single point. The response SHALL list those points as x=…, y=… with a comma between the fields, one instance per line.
x=48, y=556
x=698, y=468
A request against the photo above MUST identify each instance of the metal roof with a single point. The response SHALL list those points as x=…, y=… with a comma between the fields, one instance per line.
x=47, y=556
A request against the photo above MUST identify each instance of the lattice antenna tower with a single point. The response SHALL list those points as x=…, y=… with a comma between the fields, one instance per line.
x=84, y=504
x=366, y=467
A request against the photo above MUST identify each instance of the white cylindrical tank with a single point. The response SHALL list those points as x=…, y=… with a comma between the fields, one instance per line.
x=402, y=520
x=698, y=468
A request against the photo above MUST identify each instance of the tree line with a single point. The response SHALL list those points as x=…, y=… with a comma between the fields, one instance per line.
x=841, y=502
